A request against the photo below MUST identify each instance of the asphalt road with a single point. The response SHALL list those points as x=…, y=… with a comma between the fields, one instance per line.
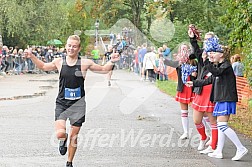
x=129, y=124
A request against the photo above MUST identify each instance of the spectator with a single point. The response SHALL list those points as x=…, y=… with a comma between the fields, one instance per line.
x=18, y=62
x=161, y=65
x=149, y=64
x=96, y=55
x=166, y=52
x=4, y=63
x=136, y=63
x=166, y=55
x=232, y=59
x=141, y=55
x=238, y=67
x=186, y=69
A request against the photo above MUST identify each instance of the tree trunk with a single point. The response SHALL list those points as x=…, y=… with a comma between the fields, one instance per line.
x=137, y=6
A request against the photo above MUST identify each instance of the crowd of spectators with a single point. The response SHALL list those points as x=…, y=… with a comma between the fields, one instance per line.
x=13, y=61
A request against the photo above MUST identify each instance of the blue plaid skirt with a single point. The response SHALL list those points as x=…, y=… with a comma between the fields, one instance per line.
x=224, y=108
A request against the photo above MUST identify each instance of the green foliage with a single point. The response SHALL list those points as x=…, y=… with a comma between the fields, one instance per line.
x=168, y=87
x=248, y=64
x=137, y=9
x=83, y=14
x=242, y=121
x=77, y=20
x=179, y=37
x=238, y=19
x=26, y=22
x=203, y=13
x=31, y=21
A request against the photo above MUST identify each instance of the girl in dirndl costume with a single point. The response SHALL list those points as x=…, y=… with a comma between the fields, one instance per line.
x=186, y=71
x=224, y=94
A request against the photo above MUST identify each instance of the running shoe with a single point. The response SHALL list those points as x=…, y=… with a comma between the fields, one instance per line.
x=215, y=155
x=207, y=150
x=69, y=164
x=63, y=146
x=202, y=144
x=184, y=136
x=239, y=154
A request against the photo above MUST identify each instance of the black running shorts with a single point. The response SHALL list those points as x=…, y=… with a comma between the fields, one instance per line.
x=75, y=113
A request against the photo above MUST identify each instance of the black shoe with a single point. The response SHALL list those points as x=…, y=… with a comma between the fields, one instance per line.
x=69, y=164
x=63, y=146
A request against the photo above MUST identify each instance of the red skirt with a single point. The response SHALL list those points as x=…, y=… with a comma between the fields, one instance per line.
x=186, y=96
x=202, y=102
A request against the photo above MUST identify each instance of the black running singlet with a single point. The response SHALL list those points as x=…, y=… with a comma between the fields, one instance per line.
x=71, y=83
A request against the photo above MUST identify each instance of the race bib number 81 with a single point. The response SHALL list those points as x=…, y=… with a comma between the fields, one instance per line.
x=72, y=94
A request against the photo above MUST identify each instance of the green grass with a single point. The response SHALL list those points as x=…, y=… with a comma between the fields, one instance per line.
x=242, y=120
x=168, y=87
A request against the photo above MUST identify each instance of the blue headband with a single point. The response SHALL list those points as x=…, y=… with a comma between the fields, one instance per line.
x=212, y=45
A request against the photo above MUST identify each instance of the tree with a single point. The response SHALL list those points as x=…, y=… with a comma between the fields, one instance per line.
x=238, y=20
x=204, y=14
x=12, y=17
x=31, y=21
x=136, y=7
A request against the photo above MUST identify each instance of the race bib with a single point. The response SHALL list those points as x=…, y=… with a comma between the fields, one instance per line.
x=72, y=94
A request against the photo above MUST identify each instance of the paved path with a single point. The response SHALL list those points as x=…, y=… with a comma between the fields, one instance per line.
x=129, y=124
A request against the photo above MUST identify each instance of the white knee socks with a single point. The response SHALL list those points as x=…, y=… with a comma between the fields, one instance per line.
x=224, y=129
x=185, y=120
